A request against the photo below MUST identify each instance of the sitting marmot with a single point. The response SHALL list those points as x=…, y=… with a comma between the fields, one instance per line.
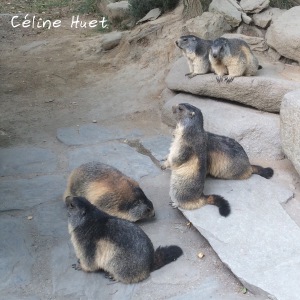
x=110, y=190
x=188, y=162
x=116, y=246
x=233, y=57
x=196, y=51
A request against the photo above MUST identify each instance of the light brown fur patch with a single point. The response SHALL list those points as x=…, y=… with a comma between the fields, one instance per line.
x=188, y=169
x=193, y=204
x=219, y=165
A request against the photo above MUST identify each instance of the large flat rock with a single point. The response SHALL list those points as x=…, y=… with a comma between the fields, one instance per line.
x=90, y=134
x=116, y=154
x=258, y=242
x=290, y=127
x=26, y=160
x=258, y=132
x=264, y=93
x=27, y=193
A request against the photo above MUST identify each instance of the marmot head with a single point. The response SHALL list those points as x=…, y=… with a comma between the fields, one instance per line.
x=218, y=48
x=78, y=210
x=187, y=115
x=139, y=207
x=187, y=42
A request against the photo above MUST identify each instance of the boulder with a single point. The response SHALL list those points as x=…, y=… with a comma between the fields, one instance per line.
x=111, y=40
x=284, y=34
x=228, y=9
x=255, y=43
x=290, y=127
x=208, y=26
x=152, y=15
x=254, y=6
x=246, y=19
x=265, y=18
x=118, y=10
x=273, y=54
x=257, y=132
x=261, y=91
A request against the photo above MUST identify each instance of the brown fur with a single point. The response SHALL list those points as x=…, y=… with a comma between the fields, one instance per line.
x=109, y=190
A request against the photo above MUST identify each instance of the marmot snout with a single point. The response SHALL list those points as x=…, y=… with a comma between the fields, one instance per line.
x=110, y=190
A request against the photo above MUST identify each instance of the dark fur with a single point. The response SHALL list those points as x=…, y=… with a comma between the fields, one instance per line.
x=188, y=162
x=128, y=255
x=233, y=57
x=110, y=190
x=196, y=51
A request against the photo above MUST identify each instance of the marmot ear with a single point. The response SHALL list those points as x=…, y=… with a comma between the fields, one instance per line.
x=193, y=39
x=192, y=114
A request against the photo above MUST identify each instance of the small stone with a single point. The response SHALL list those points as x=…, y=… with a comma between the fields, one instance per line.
x=29, y=217
x=94, y=121
x=201, y=255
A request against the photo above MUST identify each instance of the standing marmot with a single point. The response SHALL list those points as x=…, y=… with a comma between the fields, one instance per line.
x=233, y=57
x=196, y=52
x=110, y=190
x=188, y=162
x=228, y=160
x=118, y=247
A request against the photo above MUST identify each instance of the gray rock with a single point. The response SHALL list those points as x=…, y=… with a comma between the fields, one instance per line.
x=284, y=35
x=24, y=160
x=33, y=45
x=246, y=19
x=27, y=193
x=121, y=156
x=208, y=26
x=258, y=242
x=111, y=40
x=264, y=18
x=158, y=145
x=90, y=134
x=254, y=6
x=51, y=219
x=290, y=127
x=255, y=43
x=257, y=132
x=16, y=257
x=264, y=93
x=250, y=30
x=273, y=54
x=230, y=11
x=118, y=10
x=152, y=15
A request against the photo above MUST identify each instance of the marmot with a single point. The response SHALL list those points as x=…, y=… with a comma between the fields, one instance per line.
x=233, y=57
x=196, y=51
x=188, y=162
x=227, y=159
x=110, y=190
x=116, y=246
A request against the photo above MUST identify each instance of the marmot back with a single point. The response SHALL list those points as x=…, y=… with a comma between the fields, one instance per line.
x=188, y=162
x=118, y=247
x=233, y=57
x=196, y=51
x=110, y=190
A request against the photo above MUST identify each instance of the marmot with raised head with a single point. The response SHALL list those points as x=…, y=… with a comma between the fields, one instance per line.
x=188, y=162
x=233, y=57
x=116, y=246
x=110, y=190
x=196, y=51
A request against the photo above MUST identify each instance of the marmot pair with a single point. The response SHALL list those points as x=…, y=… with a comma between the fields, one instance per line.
x=222, y=56
x=194, y=153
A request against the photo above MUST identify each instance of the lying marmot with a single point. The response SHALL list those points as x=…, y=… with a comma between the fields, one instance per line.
x=233, y=57
x=116, y=246
x=110, y=190
x=188, y=162
x=196, y=51
x=228, y=160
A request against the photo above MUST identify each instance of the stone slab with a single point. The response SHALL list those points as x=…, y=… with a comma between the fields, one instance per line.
x=264, y=93
x=157, y=145
x=27, y=193
x=90, y=134
x=258, y=132
x=14, y=161
x=258, y=242
x=119, y=155
x=290, y=128
x=16, y=259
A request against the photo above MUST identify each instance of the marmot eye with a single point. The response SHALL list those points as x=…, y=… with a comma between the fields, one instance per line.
x=180, y=108
x=72, y=205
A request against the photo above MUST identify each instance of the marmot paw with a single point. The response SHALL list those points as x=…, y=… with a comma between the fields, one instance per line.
x=77, y=266
x=173, y=204
x=228, y=79
x=219, y=79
